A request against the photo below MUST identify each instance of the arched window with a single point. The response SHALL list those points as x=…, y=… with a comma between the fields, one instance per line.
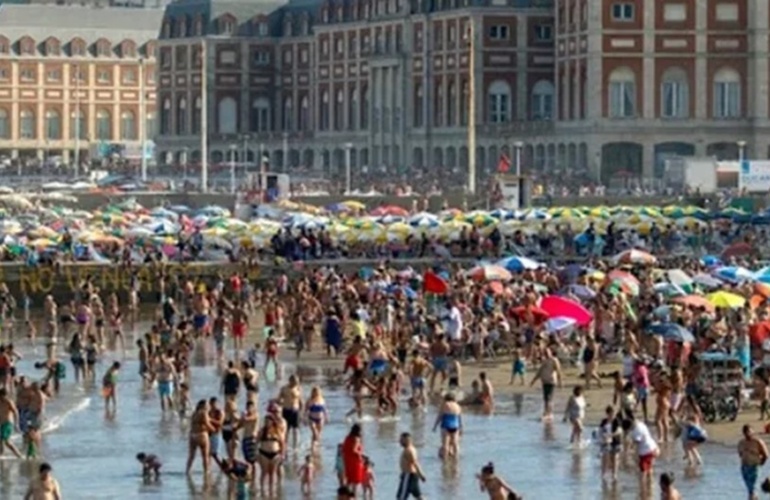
x=339, y=110
x=260, y=115
x=227, y=112
x=27, y=124
x=197, y=116
x=78, y=125
x=419, y=106
x=451, y=104
x=288, y=110
x=365, y=108
x=52, y=125
x=542, y=100
x=622, y=93
x=304, y=113
x=165, y=117
x=5, y=125
x=181, y=116
x=127, y=126
x=324, y=125
x=727, y=94
x=103, y=125
x=499, y=96
x=674, y=94
x=353, y=111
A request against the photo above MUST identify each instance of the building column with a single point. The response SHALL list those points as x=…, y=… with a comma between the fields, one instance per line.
x=648, y=160
x=701, y=84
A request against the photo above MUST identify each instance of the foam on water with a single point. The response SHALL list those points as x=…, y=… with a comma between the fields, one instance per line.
x=57, y=421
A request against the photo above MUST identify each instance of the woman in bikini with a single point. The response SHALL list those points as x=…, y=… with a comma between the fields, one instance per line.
x=317, y=415
x=229, y=425
x=270, y=453
x=98, y=309
x=250, y=378
x=200, y=427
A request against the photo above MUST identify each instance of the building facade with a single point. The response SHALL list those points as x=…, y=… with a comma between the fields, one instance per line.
x=640, y=80
x=306, y=82
x=611, y=86
x=72, y=79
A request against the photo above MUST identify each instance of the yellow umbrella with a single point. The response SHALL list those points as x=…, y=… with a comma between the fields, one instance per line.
x=42, y=243
x=215, y=231
x=726, y=300
x=354, y=205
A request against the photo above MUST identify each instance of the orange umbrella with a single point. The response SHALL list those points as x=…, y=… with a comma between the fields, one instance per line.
x=694, y=301
x=496, y=288
x=756, y=301
x=759, y=332
x=762, y=289
x=617, y=274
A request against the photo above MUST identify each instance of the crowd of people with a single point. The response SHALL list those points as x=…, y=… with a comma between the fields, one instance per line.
x=402, y=348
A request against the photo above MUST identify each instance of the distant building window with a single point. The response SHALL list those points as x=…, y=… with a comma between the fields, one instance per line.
x=727, y=12
x=325, y=47
x=27, y=75
x=27, y=46
x=623, y=11
x=622, y=93
x=303, y=57
x=498, y=32
x=53, y=75
x=103, y=76
x=543, y=32
x=262, y=29
x=3, y=74
x=287, y=57
x=499, y=102
x=78, y=48
x=129, y=76
x=339, y=47
x=102, y=49
x=675, y=12
x=727, y=94
x=227, y=26
x=261, y=58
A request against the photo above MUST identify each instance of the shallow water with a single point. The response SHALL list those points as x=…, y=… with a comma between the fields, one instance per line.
x=93, y=457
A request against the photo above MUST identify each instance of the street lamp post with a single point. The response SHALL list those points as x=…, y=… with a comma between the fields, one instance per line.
x=77, y=120
x=348, y=148
x=741, y=150
x=471, y=108
x=204, y=118
x=184, y=165
x=142, y=120
x=233, y=147
x=518, y=145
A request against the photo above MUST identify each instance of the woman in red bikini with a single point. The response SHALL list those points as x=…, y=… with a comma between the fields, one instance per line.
x=353, y=458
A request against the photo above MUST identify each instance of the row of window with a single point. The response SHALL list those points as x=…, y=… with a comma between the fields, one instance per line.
x=675, y=94
x=78, y=129
x=28, y=74
x=542, y=32
x=674, y=12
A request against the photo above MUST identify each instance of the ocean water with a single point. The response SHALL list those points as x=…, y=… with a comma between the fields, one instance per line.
x=93, y=456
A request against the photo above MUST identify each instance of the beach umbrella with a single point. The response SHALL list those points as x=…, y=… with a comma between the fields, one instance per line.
x=759, y=332
x=537, y=313
x=433, y=283
x=672, y=332
x=580, y=291
x=726, y=300
x=535, y=214
x=707, y=281
x=738, y=250
x=711, y=261
x=489, y=272
x=452, y=230
x=680, y=278
x=353, y=205
x=634, y=256
x=733, y=274
x=480, y=219
x=390, y=219
x=423, y=220
x=502, y=214
x=694, y=301
x=390, y=210
x=557, y=306
x=559, y=324
x=668, y=289
x=518, y=264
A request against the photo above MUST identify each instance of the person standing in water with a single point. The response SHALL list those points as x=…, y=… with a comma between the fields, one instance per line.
x=575, y=412
x=451, y=422
x=549, y=375
x=166, y=376
x=753, y=454
x=240, y=325
x=110, y=388
x=231, y=382
x=418, y=370
x=290, y=399
x=9, y=417
x=44, y=486
x=411, y=472
x=494, y=485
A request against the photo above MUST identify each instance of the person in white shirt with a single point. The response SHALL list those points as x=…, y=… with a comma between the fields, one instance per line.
x=646, y=449
x=454, y=324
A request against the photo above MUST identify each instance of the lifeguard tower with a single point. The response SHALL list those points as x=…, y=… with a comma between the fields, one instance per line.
x=511, y=191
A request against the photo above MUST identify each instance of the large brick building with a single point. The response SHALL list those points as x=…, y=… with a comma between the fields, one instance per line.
x=70, y=78
x=607, y=85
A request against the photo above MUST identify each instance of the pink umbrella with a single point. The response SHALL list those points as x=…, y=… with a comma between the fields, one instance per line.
x=557, y=306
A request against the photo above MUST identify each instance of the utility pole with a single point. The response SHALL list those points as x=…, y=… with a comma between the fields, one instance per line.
x=142, y=120
x=204, y=119
x=471, y=109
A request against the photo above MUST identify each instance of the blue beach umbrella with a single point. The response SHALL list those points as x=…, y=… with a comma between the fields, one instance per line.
x=733, y=274
x=672, y=331
x=518, y=264
x=711, y=261
x=579, y=291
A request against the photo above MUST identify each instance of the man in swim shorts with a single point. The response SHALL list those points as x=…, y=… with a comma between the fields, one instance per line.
x=290, y=399
x=550, y=376
x=166, y=376
x=8, y=416
x=753, y=453
x=411, y=472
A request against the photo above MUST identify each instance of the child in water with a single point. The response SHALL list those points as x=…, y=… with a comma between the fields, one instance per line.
x=183, y=402
x=150, y=466
x=368, y=485
x=519, y=367
x=306, y=475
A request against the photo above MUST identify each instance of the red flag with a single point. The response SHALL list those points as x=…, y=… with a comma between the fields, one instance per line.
x=433, y=283
x=504, y=165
